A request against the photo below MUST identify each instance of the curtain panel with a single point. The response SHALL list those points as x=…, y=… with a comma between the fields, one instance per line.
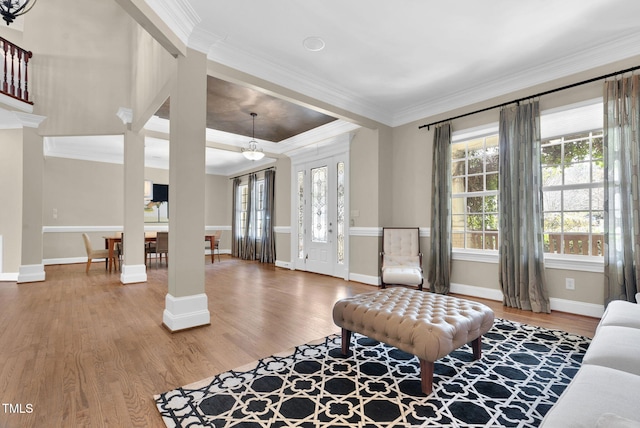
x=521, y=250
x=268, y=247
x=248, y=248
x=236, y=233
x=439, y=276
x=622, y=206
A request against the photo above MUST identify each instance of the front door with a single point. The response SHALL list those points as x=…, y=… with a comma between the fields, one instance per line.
x=322, y=229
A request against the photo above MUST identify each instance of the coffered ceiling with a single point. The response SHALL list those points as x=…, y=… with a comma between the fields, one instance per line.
x=229, y=108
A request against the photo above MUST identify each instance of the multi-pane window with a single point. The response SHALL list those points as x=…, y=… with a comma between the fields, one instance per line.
x=474, y=170
x=573, y=194
x=300, y=214
x=243, y=200
x=257, y=204
x=341, y=215
x=259, y=208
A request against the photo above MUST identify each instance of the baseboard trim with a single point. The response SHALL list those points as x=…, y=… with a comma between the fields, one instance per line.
x=9, y=277
x=283, y=264
x=132, y=274
x=186, y=312
x=473, y=291
x=560, y=305
x=31, y=273
x=68, y=261
x=579, y=308
x=366, y=279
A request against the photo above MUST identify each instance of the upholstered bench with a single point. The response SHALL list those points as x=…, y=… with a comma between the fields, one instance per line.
x=424, y=324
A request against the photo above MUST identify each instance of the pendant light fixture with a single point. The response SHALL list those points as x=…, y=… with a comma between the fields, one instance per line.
x=253, y=152
x=11, y=9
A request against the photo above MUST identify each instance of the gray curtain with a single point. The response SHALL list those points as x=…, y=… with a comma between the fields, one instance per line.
x=236, y=234
x=268, y=247
x=248, y=248
x=621, y=207
x=440, y=257
x=521, y=250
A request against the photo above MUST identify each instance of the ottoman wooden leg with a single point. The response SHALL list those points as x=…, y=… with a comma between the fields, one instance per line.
x=426, y=376
x=346, y=340
x=477, y=348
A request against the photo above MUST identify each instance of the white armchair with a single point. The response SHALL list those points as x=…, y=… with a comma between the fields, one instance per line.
x=401, y=259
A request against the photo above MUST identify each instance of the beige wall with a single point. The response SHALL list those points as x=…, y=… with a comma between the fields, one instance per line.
x=412, y=153
x=364, y=198
x=283, y=209
x=11, y=194
x=87, y=193
x=153, y=72
x=81, y=68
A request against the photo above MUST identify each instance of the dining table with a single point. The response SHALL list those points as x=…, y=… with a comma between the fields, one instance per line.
x=110, y=242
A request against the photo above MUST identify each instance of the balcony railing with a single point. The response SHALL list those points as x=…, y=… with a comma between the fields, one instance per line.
x=15, y=71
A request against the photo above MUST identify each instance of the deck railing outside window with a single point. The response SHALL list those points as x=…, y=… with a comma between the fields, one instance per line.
x=15, y=71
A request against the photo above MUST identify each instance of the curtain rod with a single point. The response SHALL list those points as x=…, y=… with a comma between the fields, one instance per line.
x=252, y=172
x=573, y=85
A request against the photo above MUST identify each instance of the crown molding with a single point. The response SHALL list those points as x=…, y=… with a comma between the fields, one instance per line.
x=255, y=64
x=178, y=15
x=203, y=40
x=15, y=104
x=125, y=115
x=29, y=120
x=606, y=53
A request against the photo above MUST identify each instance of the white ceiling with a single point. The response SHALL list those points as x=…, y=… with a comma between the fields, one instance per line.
x=393, y=62
x=400, y=61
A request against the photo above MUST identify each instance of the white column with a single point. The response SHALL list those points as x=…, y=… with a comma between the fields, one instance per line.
x=186, y=303
x=133, y=265
x=31, y=266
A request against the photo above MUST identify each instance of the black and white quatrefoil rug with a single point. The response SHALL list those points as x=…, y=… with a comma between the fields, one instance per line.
x=522, y=372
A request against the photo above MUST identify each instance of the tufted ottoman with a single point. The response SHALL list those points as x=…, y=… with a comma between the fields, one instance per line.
x=424, y=324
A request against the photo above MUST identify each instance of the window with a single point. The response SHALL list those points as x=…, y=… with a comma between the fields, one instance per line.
x=573, y=194
x=573, y=183
x=474, y=170
x=258, y=209
x=243, y=198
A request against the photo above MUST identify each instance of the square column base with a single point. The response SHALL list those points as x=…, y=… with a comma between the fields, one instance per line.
x=186, y=312
x=31, y=273
x=133, y=273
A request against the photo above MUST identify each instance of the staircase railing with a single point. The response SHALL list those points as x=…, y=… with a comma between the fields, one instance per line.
x=15, y=71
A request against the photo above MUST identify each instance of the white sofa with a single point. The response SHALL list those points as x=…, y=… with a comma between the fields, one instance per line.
x=606, y=390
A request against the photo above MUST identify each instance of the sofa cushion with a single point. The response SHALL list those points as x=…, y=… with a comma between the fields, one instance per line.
x=611, y=420
x=621, y=313
x=402, y=275
x=615, y=347
x=595, y=390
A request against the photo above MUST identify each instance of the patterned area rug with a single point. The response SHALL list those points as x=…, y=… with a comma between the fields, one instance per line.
x=523, y=371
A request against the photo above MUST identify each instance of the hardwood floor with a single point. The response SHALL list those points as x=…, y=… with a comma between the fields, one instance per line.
x=82, y=350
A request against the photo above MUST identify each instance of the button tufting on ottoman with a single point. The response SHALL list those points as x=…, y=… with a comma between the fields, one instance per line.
x=424, y=324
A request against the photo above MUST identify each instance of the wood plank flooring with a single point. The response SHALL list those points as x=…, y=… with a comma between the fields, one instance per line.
x=82, y=350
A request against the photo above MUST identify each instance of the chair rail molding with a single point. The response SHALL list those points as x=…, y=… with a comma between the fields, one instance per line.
x=425, y=232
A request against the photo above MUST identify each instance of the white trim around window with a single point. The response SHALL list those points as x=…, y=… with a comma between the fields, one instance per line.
x=551, y=261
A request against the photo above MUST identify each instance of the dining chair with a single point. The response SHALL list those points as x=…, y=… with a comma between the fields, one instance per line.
x=94, y=254
x=160, y=247
x=216, y=242
x=120, y=251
